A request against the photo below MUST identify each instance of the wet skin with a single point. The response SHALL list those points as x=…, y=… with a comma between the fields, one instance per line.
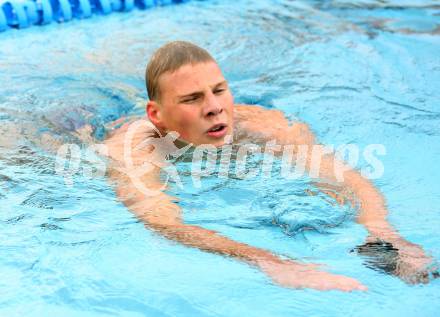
x=193, y=100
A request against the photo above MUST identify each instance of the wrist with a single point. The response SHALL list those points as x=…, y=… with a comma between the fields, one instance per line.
x=267, y=261
x=381, y=230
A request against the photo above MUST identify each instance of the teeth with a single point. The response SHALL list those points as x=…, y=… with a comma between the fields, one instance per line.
x=216, y=129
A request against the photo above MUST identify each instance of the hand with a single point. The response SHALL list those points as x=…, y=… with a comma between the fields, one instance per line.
x=413, y=264
x=290, y=274
x=399, y=257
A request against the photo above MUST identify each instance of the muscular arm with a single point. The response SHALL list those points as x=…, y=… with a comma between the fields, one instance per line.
x=412, y=261
x=161, y=214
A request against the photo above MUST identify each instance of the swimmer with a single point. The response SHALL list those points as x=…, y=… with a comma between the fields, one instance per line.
x=188, y=94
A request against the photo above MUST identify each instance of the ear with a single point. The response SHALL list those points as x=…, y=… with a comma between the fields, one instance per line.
x=154, y=113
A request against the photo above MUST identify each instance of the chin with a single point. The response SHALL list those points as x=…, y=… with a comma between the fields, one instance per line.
x=219, y=143
x=222, y=141
x=207, y=141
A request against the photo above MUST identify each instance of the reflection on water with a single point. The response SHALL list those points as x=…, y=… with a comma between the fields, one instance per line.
x=357, y=71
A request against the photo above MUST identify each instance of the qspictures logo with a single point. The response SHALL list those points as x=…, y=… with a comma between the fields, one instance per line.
x=230, y=160
x=163, y=152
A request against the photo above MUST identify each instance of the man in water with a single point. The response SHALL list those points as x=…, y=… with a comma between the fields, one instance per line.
x=189, y=96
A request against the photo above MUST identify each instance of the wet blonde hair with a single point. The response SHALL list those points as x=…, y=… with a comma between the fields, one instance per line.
x=170, y=58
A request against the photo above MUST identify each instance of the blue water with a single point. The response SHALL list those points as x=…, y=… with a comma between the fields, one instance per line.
x=358, y=72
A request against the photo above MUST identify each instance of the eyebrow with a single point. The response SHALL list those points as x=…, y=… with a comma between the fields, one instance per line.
x=200, y=93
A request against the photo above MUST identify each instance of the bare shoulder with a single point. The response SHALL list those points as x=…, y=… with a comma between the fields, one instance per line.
x=260, y=124
x=130, y=148
x=254, y=113
x=301, y=133
x=128, y=137
x=136, y=181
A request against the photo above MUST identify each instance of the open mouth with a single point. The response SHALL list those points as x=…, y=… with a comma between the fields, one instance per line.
x=217, y=130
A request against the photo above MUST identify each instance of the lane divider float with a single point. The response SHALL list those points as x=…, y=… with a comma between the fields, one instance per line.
x=21, y=14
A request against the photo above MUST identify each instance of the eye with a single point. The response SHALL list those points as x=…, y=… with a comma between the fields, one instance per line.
x=218, y=91
x=190, y=100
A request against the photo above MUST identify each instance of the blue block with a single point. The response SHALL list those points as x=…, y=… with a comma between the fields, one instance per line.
x=81, y=8
x=44, y=11
x=128, y=5
x=164, y=2
x=30, y=8
x=62, y=11
x=3, y=21
x=15, y=14
x=145, y=4
x=102, y=6
x=116, y=5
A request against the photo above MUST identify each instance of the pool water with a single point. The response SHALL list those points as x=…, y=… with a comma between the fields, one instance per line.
x=365, y=72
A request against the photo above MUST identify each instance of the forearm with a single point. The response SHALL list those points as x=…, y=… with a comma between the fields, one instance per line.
x=210, y=241
x=161, y=214
x=284, y=272
x=372, y=206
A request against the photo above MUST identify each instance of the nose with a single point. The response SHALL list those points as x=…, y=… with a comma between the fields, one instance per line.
x=212, y=106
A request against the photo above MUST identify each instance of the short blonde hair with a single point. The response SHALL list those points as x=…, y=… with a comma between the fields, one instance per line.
x=170, y=58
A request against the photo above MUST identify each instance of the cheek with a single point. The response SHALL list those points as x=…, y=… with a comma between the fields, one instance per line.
x=188, y=117
x=187, y=122
x=228, y=101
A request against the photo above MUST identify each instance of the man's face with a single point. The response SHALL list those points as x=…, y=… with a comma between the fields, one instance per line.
x=196, y=102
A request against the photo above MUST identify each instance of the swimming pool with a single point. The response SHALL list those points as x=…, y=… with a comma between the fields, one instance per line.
x=362, y=73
